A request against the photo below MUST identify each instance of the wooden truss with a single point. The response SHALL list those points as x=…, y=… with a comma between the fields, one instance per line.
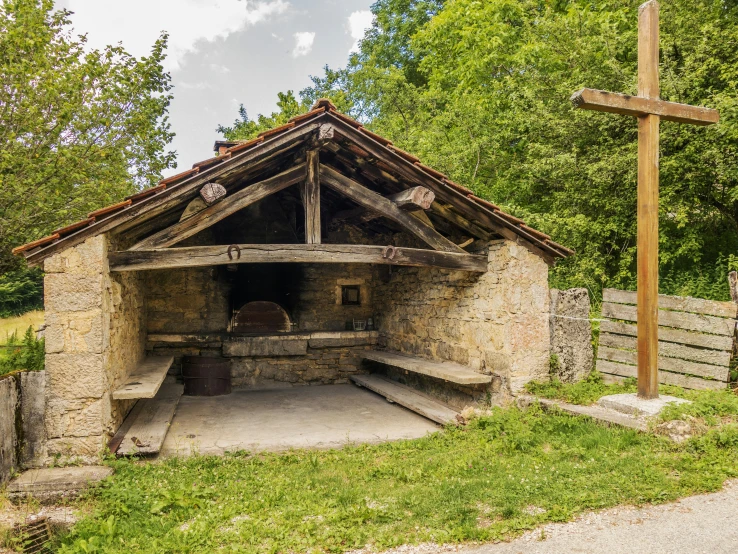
x=405, y=208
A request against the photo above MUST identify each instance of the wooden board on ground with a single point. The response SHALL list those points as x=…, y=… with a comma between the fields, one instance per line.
x=145, y=380
x=151, y=424
x=695, y=339
x=407, y=397
x=448, y=371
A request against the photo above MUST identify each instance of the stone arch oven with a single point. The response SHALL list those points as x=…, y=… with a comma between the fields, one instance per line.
x=260, y=317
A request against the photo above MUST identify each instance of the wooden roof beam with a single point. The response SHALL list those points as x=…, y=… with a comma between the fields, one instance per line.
x=203, y=256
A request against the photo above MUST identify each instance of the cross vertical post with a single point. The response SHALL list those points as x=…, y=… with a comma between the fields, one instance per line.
x=648, y=204
x=650, y=110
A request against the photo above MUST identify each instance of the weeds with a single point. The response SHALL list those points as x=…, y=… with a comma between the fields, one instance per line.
x=27, y=353
x=461, y=484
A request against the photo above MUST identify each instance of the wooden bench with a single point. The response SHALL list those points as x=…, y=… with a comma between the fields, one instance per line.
x=145, y=380
x=448, y=371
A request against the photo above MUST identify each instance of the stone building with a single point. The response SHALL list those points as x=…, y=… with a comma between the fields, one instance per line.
x=311, y=254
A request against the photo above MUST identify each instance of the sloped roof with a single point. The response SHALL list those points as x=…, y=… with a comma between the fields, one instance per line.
x=104, y=219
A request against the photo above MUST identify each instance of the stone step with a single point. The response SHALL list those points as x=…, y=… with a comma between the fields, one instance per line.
x=51, y=484
x=145, y=380
x=147, y=425
x=448, y=371
x=407, y=397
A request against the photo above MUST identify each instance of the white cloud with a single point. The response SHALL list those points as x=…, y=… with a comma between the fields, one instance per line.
x=358, y=23
x=218, y=68
x=303, y=44
x=138, y=23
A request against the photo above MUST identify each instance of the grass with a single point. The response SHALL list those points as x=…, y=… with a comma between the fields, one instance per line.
x=585, y=392
x=504, y=473
x=19, y=324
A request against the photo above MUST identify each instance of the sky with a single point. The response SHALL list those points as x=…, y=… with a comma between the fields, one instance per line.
x=223, y=53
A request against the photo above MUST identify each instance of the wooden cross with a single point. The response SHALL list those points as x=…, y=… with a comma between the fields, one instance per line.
x=649, y=110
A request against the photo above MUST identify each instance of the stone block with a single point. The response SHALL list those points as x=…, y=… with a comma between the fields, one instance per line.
x=8, y=436
x=571, y=334
x=71, y=449
x=76, y=376
x=33, y=408
x=265, y=346
x=65, y=292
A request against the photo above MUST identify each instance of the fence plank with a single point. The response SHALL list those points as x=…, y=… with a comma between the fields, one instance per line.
x=715, y=342
x=665, y=364
x=680, y=320
x=670, y=350
x=608, y=368
x=678, y=303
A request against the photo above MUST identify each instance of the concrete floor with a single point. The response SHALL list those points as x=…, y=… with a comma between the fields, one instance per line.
x=328, y=416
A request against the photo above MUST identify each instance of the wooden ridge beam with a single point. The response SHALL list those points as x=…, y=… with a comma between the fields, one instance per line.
x=212, y=214
x=201, y=256
x=636, y=106
x=378, y=203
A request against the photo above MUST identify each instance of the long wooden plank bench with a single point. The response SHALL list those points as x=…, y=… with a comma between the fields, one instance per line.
x=409, y=398
x=145, y=380
x=448, y=371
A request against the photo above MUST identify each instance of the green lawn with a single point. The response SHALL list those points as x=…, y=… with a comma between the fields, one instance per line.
x=504, y=473
x=19, y=324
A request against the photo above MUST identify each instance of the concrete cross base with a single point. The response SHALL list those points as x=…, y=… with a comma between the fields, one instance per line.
x=51, y=484
x=631, y=404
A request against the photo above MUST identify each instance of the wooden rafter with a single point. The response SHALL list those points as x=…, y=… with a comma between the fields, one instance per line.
x=378, y=203
x=230, y=205
x=199, y=256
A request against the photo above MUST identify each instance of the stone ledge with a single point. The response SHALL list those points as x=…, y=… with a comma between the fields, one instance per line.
x=603, y=415
x=57, y=482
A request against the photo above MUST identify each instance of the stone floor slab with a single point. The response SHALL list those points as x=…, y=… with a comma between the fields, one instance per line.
x=630, y=403
x=51, y=483
x=329, y=416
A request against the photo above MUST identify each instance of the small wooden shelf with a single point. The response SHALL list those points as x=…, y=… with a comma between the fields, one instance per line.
x=145, y=380
x=448, y=371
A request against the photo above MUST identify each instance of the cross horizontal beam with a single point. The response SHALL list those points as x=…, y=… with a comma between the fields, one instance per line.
x=201, y=256
x=602, y=101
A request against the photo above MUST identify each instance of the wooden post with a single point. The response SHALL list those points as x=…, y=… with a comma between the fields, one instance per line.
x=311, y=198
x=648, y=204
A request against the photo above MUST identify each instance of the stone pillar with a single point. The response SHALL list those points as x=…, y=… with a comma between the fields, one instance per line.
x=571, y=335
x=518, y=312
x=77, y=388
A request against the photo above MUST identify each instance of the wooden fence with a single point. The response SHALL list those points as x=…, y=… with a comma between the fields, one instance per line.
x=695, y=339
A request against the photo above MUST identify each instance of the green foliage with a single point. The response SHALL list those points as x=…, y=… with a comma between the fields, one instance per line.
x=78, y=129
x=584, y=392
x=21, y=291
x=504, y=473
x=479, y=90
x=27, y=353
x=244, y=128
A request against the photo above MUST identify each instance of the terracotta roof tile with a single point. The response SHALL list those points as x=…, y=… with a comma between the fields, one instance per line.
x=407, y=155
x=350, y=121
x=485, y=203
x=302, y=117
x=107, y=210
x=35, y=244
x=535, y=232
x=323, y=103
x=179, y=176
x=245, y=145
x=277, y=130
x=457, y=186
x=69, y=229
x=560, y=247
x=381, y=140
x=146, y=193
x=212, y=161
x=511, y=218
x=430, y=171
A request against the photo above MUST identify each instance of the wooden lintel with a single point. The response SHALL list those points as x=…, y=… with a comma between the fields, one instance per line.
x=311, y=197
x=200, y=256
x=211, y=215
x=602, y=101
x=378, y=203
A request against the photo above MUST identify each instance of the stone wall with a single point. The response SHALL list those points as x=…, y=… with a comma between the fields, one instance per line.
x=22, y=436
x=496, y=322
x=95, y=335
x=571, y=335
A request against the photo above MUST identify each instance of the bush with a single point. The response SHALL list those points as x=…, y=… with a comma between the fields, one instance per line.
x=26, y=353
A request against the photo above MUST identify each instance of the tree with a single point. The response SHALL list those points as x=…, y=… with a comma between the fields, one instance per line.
x=244, y=128
x=79, y=129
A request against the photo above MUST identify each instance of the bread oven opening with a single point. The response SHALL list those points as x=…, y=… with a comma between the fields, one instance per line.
x=264, y=298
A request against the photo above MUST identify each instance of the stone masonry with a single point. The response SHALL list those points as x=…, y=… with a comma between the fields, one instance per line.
x=571, y=335
x=94, y=337
x=496, y=323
